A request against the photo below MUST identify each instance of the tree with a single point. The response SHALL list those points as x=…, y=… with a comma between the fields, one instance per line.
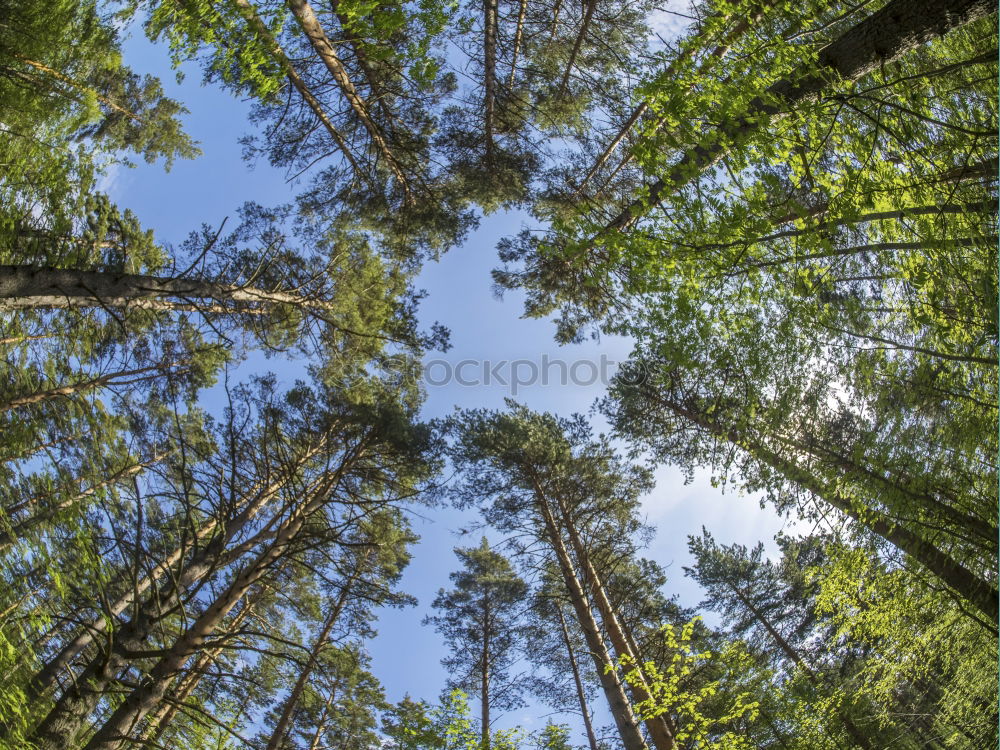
x=482, y=623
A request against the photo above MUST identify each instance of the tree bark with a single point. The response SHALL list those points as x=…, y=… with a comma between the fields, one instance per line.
x=581, y=696
x=31, y=287
x=518, y=34
x=878, y=40
x=974, y=589
x=578, y=43
x=489, y=74
x=324, y=49
x=150, y=693
x=660, y=727
x=46, y=677
x=86, y=385
x=281, y=727
x=614, y=691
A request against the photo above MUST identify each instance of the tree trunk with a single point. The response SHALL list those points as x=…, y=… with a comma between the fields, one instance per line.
x=660, y=727
x=857, y=736
x=31, y=287
x=878, y=40
x=325, y=50
x=484, y=702
x=578, y=43
x=150, y=693
x=18, y=530
x=614, y=691
x=581, y=696
x=489, y=74
x=281, y=727
x=83, y=386
x=246, y=10
x=973, y=588
x=719, y=52
x=46, y=677
x=161, y=718
x=518, y=34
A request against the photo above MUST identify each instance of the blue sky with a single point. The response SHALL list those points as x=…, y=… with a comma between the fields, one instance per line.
x=405, y=654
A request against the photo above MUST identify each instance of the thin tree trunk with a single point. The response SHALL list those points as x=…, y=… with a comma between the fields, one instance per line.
x=321, y=724
x=295, y=695
x=660, y=729
x=614, y=691
x=857, y=736
x=489, y=74
x=325, y=50
x=878, y=40
x=970, y=586
x=246, y=10
x=578, y=43
x=581, y=696
x=18, y=530
x=484, y=702
x=719, y=52
x=518, y=34
x=79, y=86
x=82, y=387
x=46, y=677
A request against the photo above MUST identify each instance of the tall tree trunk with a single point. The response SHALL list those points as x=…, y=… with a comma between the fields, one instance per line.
x=150, y=693
x=325, y=50
x=295, y=695
x=160, y=719
x=611, y=683
x=249, y=14
x=857, y=736
x=878, y=40
x=489, y=74
x=578, y=683
x=518, y=34
x=484, y=702
x=719, y=52
x=578, y=43
x=18, y=530
x=66, y=719
x=660, y=727
x=31, y=287
x=970, y=586
x=46, y=677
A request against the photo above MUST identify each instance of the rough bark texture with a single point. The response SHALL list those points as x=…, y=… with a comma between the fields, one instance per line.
x=880, y=39
x=29, y=287
x=489, y=73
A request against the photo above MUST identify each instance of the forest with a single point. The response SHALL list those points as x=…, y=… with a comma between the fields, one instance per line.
x=787, y=209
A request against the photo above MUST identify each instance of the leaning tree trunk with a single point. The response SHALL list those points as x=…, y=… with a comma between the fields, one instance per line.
x=281, y=727
x=878, y=40
x=857, y=736
x=152, y=691
x=577, y=682
x=614, y=691
x=246, y=10
x=310, y=24
x=660, y=727
x=973, y=588
x=46, y=677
